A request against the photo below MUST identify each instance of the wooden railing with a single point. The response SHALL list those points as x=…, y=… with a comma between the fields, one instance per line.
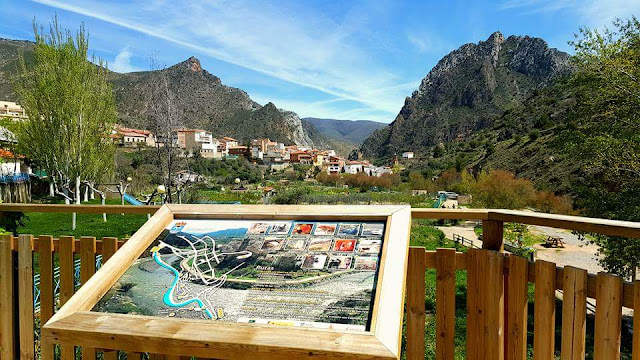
x=497, y=286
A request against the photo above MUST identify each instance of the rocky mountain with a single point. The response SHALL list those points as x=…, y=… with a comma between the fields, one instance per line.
x=203, y=100
x=348, y=131
x=467, y=91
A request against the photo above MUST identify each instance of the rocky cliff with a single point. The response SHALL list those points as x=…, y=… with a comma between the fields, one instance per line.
x=467, y=90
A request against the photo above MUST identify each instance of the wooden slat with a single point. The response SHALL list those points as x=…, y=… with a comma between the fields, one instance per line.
x=45, y=261
x=133, y=356
x=466, y=214
x=445, y=302
x=492, y=233
x=574, y=311
x=415, y=303
x=7, y=311
x=110, y=355
x=608, y=317
x=516, y=294
x=81, y=209
x=87, y=269
x=25, y=292
x=485, y=305
x=110, y=246
x=67, y=283
x=636, y=321
x=544, y=313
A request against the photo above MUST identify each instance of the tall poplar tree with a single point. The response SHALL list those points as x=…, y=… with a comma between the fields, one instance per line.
x=71, y=110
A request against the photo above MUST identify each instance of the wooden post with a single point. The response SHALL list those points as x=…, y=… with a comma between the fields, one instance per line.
x=7, y=311
x=544, y=313
x=109, y=247
x=574, y=313
x=445, y=302
x=516, y=286
x=25, y=291
x=87, y=269
x=606, y=344
x=492, y=233
x=485, y=304
x=415, y=303
x=636, y=321
x=67, y=284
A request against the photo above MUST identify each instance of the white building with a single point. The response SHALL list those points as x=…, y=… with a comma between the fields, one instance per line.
x=407, y=155
x=353, y=167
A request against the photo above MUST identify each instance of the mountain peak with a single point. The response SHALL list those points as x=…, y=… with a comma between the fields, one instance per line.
x=496, y=38
x=191, y=63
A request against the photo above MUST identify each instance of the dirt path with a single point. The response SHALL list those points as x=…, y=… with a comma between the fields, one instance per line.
x=575, y=253
x=464, y=229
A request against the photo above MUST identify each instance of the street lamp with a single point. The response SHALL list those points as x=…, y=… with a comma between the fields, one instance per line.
x=161, y=190
x=237, y=181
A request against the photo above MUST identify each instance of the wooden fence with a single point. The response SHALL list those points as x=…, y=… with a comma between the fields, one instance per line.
x=497, y=286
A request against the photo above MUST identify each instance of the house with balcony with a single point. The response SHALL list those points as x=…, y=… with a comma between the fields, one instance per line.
x=13, y=111
x=129, y=137
x=353, y=167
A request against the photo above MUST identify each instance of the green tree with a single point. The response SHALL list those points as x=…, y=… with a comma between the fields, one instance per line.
x=607, y=132
x=71, y=110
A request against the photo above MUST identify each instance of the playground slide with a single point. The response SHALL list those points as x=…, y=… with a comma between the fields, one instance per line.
x=131, y=200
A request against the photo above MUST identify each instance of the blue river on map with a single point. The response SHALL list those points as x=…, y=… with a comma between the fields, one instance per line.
x=167, y=296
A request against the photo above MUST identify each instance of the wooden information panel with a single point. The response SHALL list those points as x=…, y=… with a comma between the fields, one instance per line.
x=249, y=281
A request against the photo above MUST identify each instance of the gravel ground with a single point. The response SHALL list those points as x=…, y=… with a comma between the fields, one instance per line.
x=576, y=253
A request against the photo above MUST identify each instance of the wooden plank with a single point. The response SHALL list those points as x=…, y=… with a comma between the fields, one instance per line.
x=636, y=322
x=608, y=317
x=7, y=311
x=544, y=313
x=81, y=209
x=110, y=355
x=67, y=284
x=219, y=339
x=466, y=214
x=87, y=269
x=578, y=223
x=445, y=303
x=574, y=313
x=25, y=292
x=492, y=233
x=133, y=356
x=415, y=303
x=110, y=246
x=485, y=305
x=516, y=294
x=47, y=296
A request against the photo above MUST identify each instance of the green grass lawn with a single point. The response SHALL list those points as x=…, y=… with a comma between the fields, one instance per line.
x=57, y=224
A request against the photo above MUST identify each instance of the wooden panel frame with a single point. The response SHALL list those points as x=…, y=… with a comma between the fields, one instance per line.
x=75, y=324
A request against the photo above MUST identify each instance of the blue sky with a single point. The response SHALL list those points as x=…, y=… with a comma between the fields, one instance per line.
x=334, y=59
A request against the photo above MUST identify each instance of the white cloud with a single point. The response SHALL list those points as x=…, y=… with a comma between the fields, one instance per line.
x=122, y=62
x=592, y=13
x=425, y=42
x=285, y=41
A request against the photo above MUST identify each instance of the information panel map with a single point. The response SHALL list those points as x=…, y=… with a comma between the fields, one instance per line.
x=294, y=273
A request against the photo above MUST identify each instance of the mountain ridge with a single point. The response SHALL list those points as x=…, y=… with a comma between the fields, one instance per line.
x=467, y=90
x=350, y=131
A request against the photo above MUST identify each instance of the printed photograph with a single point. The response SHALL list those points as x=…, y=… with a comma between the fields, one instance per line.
x=338, y=262
x=320, y=244
x=272, y=244
x=366, y=263
x=314, y=262
x=280, y=228
x=372, y=229
x=367, y=246
x=295, y=244
x=258, y=229
x=349, y=229
x=344, y=245
x=325, y=229
x=302, y=229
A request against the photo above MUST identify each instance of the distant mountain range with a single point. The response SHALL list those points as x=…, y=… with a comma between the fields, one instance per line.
x=203, y=101
x=348, y=131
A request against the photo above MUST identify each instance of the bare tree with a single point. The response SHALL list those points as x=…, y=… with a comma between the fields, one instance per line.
x=164, y=118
